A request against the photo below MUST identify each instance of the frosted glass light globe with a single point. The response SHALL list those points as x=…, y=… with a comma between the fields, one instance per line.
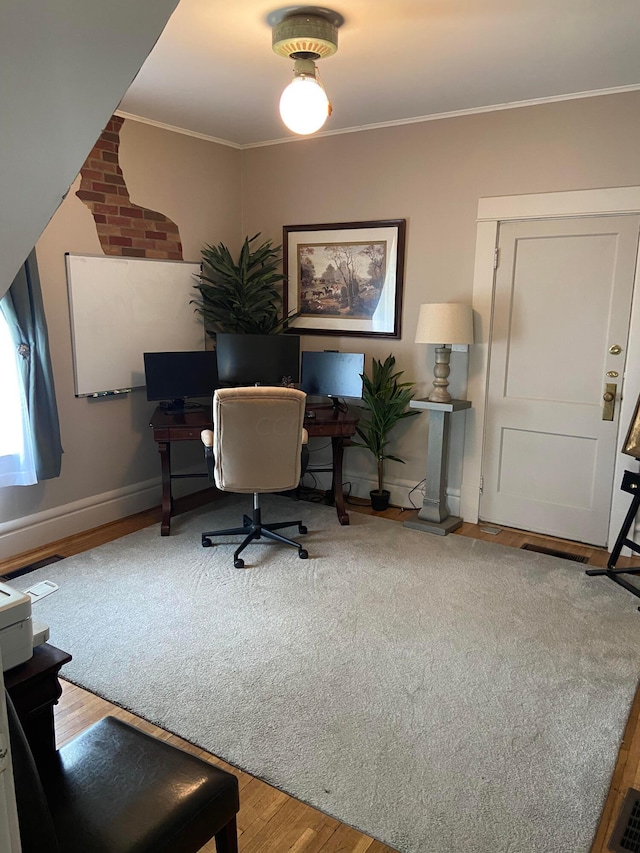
x=304, y=106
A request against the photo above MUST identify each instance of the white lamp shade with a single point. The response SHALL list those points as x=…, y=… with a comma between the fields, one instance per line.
x=304, y=106
x=445, y=323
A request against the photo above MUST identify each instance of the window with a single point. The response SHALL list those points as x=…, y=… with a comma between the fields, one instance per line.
x=17, y=465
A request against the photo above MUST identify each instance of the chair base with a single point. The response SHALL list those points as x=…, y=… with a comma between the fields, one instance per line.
x=253, y=528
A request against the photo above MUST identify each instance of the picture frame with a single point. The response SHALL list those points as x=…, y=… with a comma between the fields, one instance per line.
x=345, y=278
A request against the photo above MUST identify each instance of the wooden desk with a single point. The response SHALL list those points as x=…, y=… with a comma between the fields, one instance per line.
x=34, y=689
x=340, y=427
x=186, y=426
x=176, y=426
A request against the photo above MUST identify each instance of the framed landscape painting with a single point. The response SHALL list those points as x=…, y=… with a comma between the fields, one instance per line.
x=345, y=278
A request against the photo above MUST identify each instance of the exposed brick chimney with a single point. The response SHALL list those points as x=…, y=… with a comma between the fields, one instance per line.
x=124, y=228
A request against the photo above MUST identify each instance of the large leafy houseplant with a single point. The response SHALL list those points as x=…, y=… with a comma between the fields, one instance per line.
x=386, y=400
x=243, y=297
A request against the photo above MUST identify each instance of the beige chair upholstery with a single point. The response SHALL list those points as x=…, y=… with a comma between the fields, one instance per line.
x=255, y=447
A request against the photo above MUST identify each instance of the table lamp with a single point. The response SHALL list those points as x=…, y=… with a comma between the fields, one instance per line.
x=444, y=324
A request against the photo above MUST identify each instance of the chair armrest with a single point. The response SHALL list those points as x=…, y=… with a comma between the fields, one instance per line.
x=305, y=436
x=207, y=439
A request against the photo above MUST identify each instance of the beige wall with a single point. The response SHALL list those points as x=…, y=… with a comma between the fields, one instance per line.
x=432, y=174
x=108, y=447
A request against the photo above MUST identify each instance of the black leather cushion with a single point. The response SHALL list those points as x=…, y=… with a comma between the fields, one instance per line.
x=116, y=789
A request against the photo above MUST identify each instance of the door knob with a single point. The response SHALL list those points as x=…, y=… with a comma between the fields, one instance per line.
x=609, y=398
x=615, y=349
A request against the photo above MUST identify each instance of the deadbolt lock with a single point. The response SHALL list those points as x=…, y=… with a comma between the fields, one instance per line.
x=615, y=349
x=609, y=398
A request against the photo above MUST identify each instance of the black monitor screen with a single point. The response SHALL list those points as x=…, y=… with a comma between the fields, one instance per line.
x=332, y=374
x=258, y=359
x=172, y=376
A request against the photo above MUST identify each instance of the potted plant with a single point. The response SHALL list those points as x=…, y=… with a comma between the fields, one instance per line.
x=243, y=297
x=386, y=400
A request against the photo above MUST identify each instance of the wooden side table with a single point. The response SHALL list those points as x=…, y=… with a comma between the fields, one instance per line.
x=434, y=516
x=34, y=689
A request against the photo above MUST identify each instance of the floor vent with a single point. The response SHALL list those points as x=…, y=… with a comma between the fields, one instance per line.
x=39, y=564
x=626, y=835
x=564, y=555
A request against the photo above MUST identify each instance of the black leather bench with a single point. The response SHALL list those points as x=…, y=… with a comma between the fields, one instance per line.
x=116, y=789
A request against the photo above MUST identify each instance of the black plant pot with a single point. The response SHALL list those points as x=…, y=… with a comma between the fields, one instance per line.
x=379, y=500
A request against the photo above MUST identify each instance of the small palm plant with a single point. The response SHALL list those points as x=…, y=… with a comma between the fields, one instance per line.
x=386, y=400
x=243, y=297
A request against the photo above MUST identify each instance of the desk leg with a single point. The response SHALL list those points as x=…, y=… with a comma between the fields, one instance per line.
x=337, y=445
x=164, y=448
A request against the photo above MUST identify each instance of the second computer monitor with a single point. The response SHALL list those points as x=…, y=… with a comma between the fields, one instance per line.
x=258, y=359
x=332, y=374
x=171, y=377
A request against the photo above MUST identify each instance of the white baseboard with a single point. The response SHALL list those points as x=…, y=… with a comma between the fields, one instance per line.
x=46, y=527
x=400, y=490
x=469, y=503
x=43, y=528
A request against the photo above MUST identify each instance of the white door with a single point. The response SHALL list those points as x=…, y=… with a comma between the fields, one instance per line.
x=562, y=307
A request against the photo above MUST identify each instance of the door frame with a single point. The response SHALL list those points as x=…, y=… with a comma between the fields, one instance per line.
x=491, y=212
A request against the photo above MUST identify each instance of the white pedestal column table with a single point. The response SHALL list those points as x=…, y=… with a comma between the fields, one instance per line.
x=434, y=516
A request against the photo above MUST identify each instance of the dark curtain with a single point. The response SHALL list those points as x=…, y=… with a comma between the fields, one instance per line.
x=24, y=310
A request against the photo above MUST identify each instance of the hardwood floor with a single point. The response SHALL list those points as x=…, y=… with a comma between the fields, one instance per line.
x=269, y=821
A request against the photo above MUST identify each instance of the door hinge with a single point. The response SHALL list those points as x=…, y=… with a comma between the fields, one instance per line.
x=496, y=259
x=481, y=484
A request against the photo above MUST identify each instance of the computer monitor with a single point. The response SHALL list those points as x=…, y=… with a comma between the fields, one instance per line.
x=332, y=374
x=173, y=376
x=258, y=359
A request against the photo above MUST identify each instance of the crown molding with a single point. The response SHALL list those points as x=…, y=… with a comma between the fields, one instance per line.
x=163, y=126
x=511, y=105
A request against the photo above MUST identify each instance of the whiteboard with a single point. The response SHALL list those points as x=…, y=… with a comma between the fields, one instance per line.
x=121, y=308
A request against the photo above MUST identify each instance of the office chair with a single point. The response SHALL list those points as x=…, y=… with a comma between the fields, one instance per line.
x=116, y=789
x=255, y=446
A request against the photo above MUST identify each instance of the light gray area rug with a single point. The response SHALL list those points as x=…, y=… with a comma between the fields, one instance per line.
x=440, y=694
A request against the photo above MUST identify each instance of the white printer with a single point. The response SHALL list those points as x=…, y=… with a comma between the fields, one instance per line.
x=18, y=632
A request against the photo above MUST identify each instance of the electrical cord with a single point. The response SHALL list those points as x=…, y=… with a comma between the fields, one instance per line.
x=417, y=486
x=318, y=449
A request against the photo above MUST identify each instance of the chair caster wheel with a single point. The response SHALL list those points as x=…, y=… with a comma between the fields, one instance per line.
x=238, y=564
x=206, y=543
x=302, y=528
x=303, y=554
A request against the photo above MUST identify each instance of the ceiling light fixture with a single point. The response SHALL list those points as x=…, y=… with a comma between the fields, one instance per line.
x=305, y=34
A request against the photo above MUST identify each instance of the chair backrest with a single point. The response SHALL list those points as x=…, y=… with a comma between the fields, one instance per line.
x=258, y=438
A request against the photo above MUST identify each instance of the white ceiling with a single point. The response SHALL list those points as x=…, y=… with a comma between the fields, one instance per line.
x=213, y=71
